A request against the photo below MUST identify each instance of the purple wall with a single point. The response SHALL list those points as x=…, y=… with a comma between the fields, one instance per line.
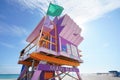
x=64, y=42
x=59, y=29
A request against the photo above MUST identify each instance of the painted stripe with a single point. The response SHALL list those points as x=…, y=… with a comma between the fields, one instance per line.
x=46, y=67
x=38, y=56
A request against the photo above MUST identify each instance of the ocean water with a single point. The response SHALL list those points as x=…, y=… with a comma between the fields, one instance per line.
x=8, y=76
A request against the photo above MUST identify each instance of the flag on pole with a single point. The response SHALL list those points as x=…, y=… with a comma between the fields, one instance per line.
x=54, y=10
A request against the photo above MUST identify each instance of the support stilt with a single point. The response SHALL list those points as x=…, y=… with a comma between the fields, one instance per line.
x=78, y=76
x=57, y=72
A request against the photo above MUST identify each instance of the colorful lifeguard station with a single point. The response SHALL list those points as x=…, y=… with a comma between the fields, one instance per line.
x=52, y=50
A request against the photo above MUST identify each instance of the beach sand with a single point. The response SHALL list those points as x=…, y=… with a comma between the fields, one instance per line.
x=88, y=77
x=95, y=77
x=98, y=77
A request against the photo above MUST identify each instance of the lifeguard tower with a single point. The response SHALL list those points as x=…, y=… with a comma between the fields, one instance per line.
x=52, y=52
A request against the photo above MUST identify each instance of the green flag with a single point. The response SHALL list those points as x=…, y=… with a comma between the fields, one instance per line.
x=54, y=10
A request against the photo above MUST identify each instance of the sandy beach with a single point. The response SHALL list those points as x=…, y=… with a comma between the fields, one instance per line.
x=88, y=77
x=95, y=77
x=98, y=77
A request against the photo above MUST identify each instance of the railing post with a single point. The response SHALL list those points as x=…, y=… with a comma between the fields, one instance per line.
x=33, y=62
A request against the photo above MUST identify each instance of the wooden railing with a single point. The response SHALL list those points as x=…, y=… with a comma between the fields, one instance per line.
x=40, y=38
x=39, y=43
x=29, y=47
